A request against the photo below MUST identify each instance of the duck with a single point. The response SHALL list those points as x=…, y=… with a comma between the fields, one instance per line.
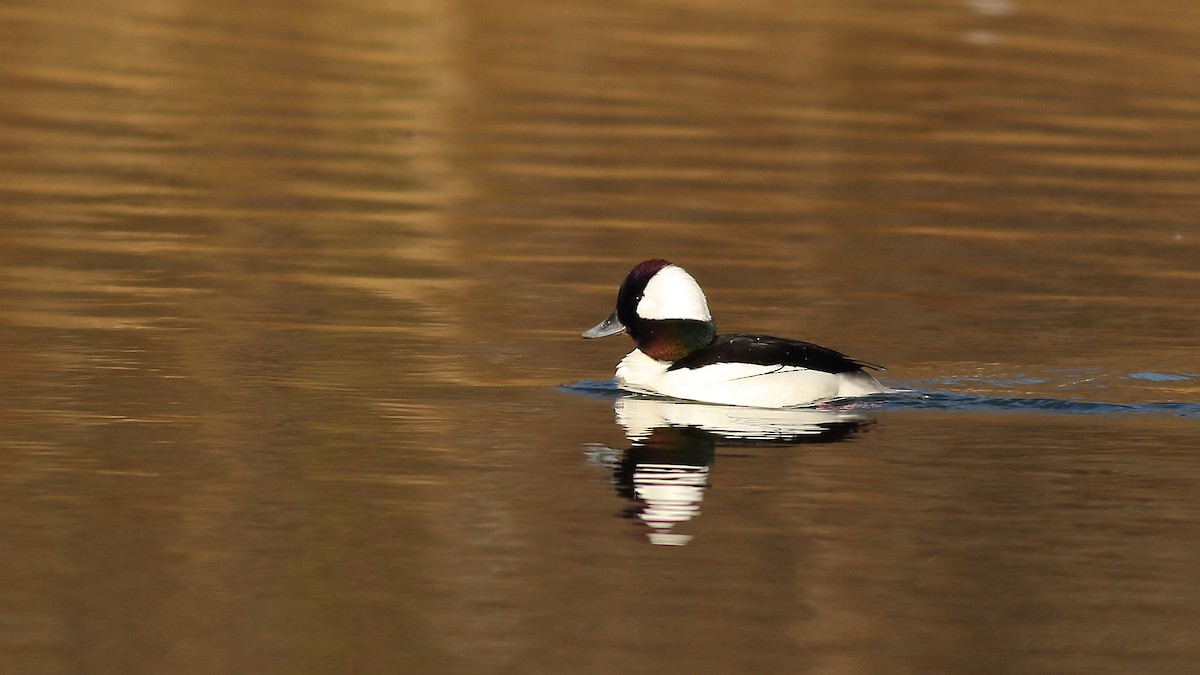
x=680, y=355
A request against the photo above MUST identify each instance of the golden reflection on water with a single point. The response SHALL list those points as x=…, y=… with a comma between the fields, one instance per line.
x=285, y=291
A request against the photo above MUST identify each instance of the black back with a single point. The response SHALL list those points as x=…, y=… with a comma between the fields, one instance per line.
x=765, y=350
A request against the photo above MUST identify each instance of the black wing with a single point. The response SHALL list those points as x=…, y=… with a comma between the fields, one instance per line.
x=765, y=350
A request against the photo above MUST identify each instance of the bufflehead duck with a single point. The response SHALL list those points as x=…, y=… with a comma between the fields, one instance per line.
x=680, y=355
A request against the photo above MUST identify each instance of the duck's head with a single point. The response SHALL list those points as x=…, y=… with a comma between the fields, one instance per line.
x=663, y=309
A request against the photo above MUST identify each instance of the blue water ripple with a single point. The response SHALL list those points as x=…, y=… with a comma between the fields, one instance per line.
x=1160, y=377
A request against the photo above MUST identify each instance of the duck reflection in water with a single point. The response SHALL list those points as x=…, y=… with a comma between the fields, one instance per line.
x=666, y=469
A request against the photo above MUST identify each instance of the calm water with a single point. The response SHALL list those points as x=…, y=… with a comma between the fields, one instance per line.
x=289, y=293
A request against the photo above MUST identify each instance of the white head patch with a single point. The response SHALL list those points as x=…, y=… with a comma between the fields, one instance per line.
x=673, y=294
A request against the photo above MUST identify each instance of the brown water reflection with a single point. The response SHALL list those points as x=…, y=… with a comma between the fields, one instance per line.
x=287, y=290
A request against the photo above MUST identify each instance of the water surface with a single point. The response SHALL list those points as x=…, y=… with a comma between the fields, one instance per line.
x=288, y=294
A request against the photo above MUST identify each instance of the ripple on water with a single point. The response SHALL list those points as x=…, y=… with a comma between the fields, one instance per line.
x=926, y=395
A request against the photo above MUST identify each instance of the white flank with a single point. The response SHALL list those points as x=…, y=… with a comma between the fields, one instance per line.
x=746, y=384
x=673, y=294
